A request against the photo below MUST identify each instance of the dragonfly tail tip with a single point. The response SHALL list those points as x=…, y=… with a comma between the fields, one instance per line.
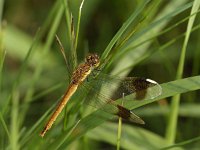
x=42, y=134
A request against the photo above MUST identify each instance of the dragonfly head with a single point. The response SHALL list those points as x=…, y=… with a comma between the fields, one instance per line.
x=92, y=60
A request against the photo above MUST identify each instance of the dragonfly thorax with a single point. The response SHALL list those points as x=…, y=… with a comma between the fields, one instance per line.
x=92, y=60
x=83, y=70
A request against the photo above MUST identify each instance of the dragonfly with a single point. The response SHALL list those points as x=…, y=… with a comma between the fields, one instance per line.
x=130, y=88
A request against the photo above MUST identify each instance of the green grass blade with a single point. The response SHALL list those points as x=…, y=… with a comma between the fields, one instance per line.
x=119, y=133
x=148, y=54
x=68, y=20
x=146, y=32
x=196, y=64
x=132, y=137
x=123, y=28
x=61, y=140
x=14, y=127
x=190, y=141
x=159, y=33
x=186, y=110
x=2, y=52
x=50, y=39
x=1, y=11
x=78, y=26
x=71, y=53
x=14, y=137
x=173, y=116
x=33, y=131
x=153, y=27
x=15, y=94
x=147, y=29
x=98, y=117
x=2, y=58
x=4, y=126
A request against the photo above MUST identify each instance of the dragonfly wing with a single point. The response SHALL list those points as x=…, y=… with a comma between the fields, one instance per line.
x=136, y=87
x=128, y=115
x=98, y=100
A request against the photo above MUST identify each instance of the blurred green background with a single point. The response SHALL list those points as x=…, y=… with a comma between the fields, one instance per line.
x=34, y=75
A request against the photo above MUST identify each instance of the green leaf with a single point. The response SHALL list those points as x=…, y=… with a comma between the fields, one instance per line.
x=132, y=137
x=98, y=117
x=173, y=116
x=123, y=28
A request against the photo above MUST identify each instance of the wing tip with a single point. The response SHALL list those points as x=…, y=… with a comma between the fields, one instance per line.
x=136, y=119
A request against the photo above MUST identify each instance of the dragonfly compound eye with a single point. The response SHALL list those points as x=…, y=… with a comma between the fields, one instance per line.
x=92, y=60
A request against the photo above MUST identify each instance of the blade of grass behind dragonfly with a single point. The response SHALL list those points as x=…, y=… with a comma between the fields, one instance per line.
x=74, y=33
x=50, y=39
x=151, y=11
x=155, y=26
x=1, y=10
x=184, y=143
x=34, y=131
x=143, y=139
x=173, y=116
x=14, y=118
x=29, y=54
x=98, y=117
x=195, y=63
x=160, y=48
x=132, y=137
x=77, y=29
x=147, y=14
x=67, y=62
x=73, y=40
x=119, y=130
x=2, y=59
x=148, y=53
x=125, y=25
x=133, y=46
x=70, y=37
x=56, y=146
x=14, y=97
x=131, y=56
x=2, y=56
x=138, y=23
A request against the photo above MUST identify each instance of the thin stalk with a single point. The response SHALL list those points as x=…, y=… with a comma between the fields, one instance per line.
x=119, y=131
x=77, y=30
x=178, y=145
x=14, y=121
x=173, y=115
x=4, y=125
x=69, y=36
x=1, y=10
x=68, y=20
x=2, y=58
x=50, y=38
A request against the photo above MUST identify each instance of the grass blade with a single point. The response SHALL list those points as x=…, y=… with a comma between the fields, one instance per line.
x=173, y=116
x=123, y=29
x=190, y=141
x=132, y=137
x=98, y=117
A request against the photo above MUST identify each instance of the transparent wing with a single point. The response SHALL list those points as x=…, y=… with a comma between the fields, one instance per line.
x=101, y=92
x=100, y=101
x=115, y=87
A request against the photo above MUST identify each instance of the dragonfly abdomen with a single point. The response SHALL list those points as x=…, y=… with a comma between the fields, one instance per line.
x=70, y=91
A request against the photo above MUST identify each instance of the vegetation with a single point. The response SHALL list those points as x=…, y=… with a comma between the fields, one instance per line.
x=150, y=38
